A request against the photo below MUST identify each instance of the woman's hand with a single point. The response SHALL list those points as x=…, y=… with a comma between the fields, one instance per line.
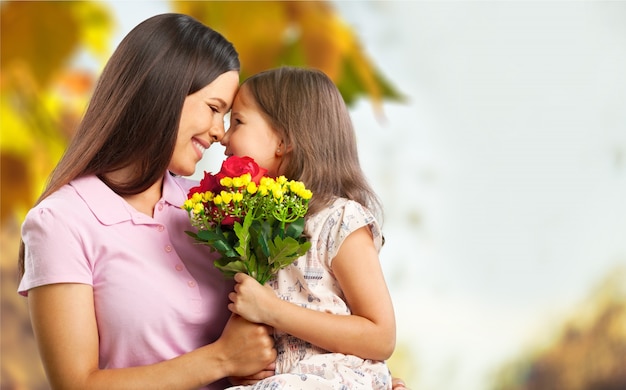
x=248, y=348
x=252, y=379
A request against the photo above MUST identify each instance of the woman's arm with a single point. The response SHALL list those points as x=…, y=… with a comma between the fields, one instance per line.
x=370, y=331
x=64, y=323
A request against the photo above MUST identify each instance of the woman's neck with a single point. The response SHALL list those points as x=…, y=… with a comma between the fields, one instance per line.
x=145, y=201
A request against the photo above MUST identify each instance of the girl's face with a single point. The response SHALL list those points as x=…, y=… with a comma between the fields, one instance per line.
x=250, y=134
x=202, y=122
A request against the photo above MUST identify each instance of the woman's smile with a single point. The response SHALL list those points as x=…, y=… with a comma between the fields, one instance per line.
x=200, y=146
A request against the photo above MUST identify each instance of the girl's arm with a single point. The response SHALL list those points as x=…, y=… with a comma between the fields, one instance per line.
x=65, y=327
x=370, y=332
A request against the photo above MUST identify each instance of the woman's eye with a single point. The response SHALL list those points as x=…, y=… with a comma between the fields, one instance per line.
x=215, y=109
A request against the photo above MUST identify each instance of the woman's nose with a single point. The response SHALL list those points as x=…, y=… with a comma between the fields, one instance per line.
x=216, y=132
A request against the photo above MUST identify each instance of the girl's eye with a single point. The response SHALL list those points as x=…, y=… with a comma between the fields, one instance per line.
x=215, y=109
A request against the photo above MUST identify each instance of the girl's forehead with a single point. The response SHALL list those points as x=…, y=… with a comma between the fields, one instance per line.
x=244, y=97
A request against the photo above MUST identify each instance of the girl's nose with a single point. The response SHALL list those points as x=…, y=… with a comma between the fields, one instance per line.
x=225, y=139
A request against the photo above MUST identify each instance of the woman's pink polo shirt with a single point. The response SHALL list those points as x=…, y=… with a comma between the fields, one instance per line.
x=157, y=294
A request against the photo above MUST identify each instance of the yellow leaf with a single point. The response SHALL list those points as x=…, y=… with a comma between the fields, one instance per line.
x=96, y=27
x=32, y=37
x=257, y=29
x=269, y=34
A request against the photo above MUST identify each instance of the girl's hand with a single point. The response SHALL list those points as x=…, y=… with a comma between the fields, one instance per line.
x=251, y=300
x=398, y=384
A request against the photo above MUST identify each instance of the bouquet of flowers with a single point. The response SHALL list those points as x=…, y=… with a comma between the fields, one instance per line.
x=255, y=222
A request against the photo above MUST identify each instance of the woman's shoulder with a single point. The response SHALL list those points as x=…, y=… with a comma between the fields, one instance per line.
x=65, y=198
x=80, y=199
x=60, y=211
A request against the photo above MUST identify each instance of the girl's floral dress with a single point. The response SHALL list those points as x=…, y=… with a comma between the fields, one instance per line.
x=309, y=282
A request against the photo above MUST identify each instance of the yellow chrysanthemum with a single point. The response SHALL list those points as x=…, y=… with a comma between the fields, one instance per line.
x=226, y=182
x=196, y=197
x=188, y=205
x=207, y=196
x=252, y=188
x=198, y=208
x=305, y=194
x=239, y=182
x=277, y=192
x=237, y=197
x=227, y=197
x=266, y=181
x=217, y=199
x=246, y=178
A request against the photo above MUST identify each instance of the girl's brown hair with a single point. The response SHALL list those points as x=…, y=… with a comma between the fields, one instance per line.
x=134, y=113
x=308, y=113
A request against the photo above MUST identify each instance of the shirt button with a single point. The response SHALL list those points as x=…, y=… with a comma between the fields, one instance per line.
x=160, y=206
x=168, y=248
x=179, y=267
x=161, y=228
x=191, y=284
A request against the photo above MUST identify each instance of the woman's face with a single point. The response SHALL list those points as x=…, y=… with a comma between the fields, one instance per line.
x=250, y=134
x=202, y=122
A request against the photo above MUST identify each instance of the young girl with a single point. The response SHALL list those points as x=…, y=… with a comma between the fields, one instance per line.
x=331, y=310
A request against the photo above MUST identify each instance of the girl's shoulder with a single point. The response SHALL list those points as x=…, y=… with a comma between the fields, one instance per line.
x=343, y=208
x=338, y=220
x=343, y=214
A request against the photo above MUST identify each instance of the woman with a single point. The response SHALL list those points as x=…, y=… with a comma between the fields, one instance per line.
x=118, y=296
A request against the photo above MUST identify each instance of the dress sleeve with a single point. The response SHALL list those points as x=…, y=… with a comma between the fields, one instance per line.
x=346, y=220
x=54, y=250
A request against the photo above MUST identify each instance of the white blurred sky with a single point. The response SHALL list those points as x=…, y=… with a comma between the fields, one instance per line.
x=503, y=175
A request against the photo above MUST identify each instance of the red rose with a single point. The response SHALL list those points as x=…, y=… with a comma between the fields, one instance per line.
x=216, y=213
x=208, y=183
x=230, y=220
x=235, y=166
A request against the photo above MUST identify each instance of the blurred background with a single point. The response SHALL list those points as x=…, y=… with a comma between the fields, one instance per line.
x=494, y=132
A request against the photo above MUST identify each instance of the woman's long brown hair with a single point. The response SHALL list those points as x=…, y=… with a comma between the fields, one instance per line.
x=309, y=114
x=133, y=116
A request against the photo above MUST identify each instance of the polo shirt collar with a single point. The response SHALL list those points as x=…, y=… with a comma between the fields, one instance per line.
x=110, y=208
x=173, y=193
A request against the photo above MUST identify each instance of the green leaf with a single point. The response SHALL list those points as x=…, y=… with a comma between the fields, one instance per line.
x=243, y=233
x=295, y=228
x=230, y=265
x=218, y=241
x=192, y=234
x=261, y=232
x=286, y=251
